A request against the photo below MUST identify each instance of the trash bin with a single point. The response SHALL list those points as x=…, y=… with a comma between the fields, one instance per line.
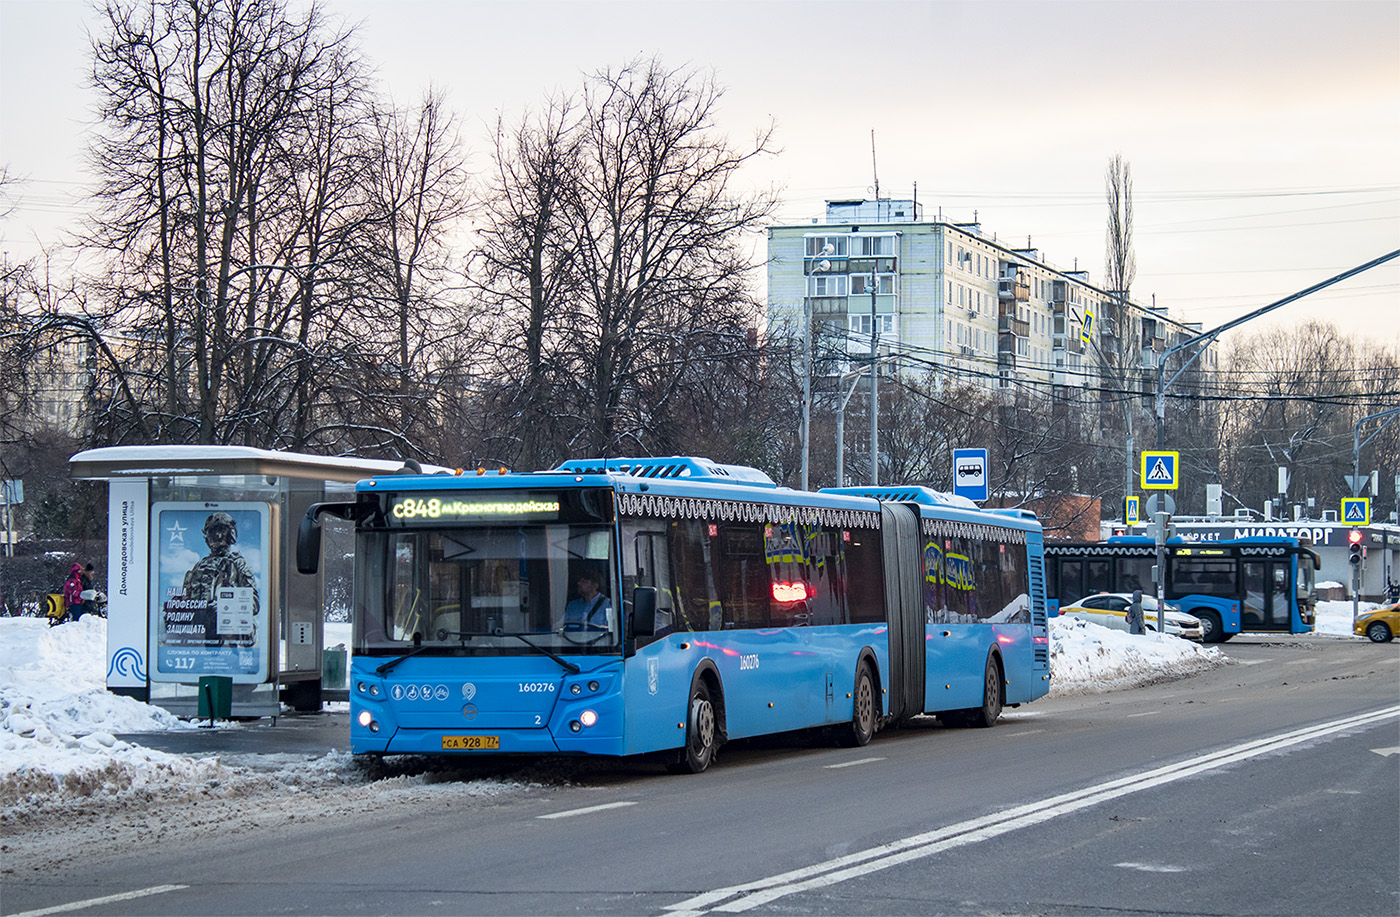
x=215, y=697
x=333, y=668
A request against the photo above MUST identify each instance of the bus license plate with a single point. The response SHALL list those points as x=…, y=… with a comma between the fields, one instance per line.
x=471, y=743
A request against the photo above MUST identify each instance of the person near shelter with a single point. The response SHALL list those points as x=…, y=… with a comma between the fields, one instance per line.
x=591, y=609
x=89, y=593
x=73, y=594
x=1392, y=591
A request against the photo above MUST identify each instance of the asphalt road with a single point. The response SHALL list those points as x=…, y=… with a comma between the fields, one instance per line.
x=1271, y=786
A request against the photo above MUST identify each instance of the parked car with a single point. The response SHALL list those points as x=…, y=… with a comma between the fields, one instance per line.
x=1111, y=610
x=1380, y=624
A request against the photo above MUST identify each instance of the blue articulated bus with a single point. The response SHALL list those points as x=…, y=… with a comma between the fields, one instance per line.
x=667, y=605
x=1240, y=585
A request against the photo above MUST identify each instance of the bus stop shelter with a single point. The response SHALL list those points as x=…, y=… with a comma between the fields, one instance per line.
x=201, y=572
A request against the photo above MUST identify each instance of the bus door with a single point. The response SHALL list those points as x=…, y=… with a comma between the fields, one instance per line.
x=1267, y=595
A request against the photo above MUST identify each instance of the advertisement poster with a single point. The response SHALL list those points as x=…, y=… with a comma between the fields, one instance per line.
x=209, y=591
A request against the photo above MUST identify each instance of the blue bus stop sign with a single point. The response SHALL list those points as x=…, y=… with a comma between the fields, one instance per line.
x=970, y=473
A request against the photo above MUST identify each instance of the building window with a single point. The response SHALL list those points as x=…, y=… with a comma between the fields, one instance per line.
x=826, y=285
x=860, y=325
x=860, y=284
x=870, y=246
x=827, y=246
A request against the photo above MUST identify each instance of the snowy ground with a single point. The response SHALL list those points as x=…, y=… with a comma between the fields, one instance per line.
x=60, y=759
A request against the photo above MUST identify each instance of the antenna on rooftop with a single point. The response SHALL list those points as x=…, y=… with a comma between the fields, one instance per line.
x=873, y=170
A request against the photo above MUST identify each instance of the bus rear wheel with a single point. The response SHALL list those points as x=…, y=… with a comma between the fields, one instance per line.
x=699, y=732
x=863, y=712
x=990, y=711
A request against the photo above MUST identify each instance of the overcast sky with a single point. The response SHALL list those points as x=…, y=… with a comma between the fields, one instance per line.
x=1264, y=137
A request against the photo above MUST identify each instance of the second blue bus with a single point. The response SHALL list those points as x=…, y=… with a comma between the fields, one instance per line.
x=1261, y=585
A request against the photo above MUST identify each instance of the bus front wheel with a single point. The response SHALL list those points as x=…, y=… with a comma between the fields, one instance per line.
x=863, y=712
x=699, y=731
x=1212, y=631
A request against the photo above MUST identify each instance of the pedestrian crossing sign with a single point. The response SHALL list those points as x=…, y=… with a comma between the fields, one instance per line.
x=1356, y=510
x=1131, y=513
x=1159, y=470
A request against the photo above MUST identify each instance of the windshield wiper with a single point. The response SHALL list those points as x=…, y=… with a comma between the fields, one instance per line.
x=418, y=647
x=568, y=666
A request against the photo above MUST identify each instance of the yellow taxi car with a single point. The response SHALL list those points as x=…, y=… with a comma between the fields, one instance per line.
x=1380, y=624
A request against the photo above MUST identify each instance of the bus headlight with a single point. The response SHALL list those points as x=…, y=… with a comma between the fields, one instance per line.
x=588, y=718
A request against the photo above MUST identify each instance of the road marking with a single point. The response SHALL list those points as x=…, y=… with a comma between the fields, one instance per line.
x=739, y=898
x=832, y=767
x=588, y=811
x=1386, y=752
x=106, y=899
x=1150, y=867
x=1148, y=713
x=1023, y=732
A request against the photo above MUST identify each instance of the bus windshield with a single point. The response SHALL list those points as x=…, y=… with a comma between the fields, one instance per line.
x=478, y=589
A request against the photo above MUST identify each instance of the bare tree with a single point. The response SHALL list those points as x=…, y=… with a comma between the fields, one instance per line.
x=419, y=196
x=528, y=275
x=1293, y=398
x=228, y=139
x=664, y=294
x=614, y=249
x=1120, y=269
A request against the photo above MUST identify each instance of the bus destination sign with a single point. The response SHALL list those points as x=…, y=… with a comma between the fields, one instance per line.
x=466, y=506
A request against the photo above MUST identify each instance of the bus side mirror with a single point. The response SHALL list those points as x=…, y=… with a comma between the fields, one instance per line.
x=309, y=534
x=309, y=543
x=644, y=611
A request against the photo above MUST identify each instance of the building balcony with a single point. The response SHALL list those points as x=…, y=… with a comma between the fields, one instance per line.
x=1013, y=290
x=1070, y=343
x=1010, y=325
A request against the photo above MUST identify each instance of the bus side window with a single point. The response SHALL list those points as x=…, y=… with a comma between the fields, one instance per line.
x=653, y=568
x=1071, y=582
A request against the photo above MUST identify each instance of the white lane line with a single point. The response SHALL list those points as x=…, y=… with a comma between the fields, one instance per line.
x=588, y=811
x=94, y=902
x=1148, y=713
x=832, y=767
x=763, y=891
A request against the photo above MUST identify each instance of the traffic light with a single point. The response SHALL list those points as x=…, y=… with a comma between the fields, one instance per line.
x=1354, y=539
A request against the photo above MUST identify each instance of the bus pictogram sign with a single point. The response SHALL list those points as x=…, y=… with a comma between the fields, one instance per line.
x=1159, y=470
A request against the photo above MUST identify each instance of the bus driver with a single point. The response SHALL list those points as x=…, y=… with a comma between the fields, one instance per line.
x=591, y=610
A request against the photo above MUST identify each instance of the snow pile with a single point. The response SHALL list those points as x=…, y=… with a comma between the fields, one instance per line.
x=1086, y=657
x=57, y=719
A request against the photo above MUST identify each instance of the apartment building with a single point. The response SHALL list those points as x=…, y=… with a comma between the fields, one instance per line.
x=947, y=297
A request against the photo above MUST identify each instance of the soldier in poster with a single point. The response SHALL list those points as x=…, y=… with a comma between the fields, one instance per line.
x=223, y=578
